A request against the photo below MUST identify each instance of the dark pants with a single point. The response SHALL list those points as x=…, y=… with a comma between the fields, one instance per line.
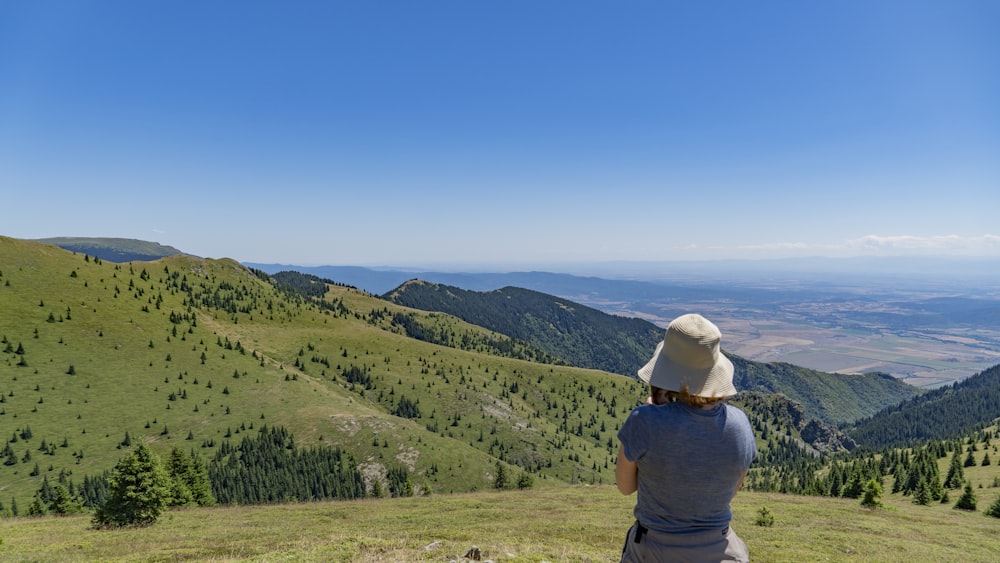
x=647, y=546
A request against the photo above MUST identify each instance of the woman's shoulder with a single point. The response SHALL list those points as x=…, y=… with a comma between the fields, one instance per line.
x=737, y=414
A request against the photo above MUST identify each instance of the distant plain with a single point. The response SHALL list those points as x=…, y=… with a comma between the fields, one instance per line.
x=928, y=337
x=928, y=322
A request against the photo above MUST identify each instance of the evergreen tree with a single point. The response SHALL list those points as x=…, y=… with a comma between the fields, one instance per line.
x=836, y=480
x=62, y=501
x=968, y=499
x=500, y=481
x=922, y=495
x=190, y=484
x=178, y=467
x=199, y=483
x=873, y=494
x=139, y=491
x=855, y=485
x=37, y=507
x=994, y=509
x=898, y=478
x=970, y=460
x=956, y=475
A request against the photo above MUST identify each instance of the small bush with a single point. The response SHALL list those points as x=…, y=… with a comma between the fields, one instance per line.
x=765, y=518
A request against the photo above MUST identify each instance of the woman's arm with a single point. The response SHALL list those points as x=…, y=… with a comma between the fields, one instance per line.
x=740, y=483
x=626, y=473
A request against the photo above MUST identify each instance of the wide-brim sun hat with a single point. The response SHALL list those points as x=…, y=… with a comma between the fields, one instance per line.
x=689, y=359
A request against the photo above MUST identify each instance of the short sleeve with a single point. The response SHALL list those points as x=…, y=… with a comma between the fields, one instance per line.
x=630, y=435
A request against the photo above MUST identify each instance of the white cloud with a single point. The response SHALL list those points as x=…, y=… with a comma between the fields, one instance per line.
x=982, y=245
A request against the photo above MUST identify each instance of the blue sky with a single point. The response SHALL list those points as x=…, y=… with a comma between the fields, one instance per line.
x=515, y=132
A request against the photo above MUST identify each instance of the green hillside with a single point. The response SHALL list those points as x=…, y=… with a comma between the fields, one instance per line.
x=943, y=413
x=586, y=337
x=189, y=352
x=830, y=397
x=581, y=335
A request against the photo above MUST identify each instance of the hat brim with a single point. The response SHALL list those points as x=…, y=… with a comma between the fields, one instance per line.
x=715, y=382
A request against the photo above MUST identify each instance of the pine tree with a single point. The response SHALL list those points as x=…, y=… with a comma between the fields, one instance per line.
x=970, y=461
x=199, y=483
x=873, y=494
x=968, y=499
x=139, y=491
x=854, y=487
x=62, y=501
x=922, y=495
x=37, y=507
x=898, y=478
x=178, y=467
x=994, y=509
x=956, y=475
x=500, y=482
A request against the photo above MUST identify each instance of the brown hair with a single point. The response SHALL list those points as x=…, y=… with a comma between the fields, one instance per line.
x=661, y=396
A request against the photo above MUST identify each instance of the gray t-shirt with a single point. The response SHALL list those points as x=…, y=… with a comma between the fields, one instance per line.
x=689, y=463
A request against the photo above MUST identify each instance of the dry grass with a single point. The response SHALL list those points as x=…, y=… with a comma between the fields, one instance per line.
x=584, y=523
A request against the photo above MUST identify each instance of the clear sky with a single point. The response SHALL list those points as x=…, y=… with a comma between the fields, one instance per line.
x=504, y=132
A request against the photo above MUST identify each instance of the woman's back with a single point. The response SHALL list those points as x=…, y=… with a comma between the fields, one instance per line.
x=690, y=462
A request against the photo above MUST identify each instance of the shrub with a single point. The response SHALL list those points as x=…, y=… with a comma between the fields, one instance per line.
x=764, y=517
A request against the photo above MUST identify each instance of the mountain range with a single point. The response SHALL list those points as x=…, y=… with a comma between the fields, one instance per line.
x=200, y=353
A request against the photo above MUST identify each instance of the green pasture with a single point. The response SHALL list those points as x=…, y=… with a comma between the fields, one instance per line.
x=578, y=523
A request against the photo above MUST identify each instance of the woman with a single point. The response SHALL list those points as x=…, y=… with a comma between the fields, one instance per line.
x=686, y=452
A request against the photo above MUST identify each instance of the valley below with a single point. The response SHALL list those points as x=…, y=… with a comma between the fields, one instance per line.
x=927, y=338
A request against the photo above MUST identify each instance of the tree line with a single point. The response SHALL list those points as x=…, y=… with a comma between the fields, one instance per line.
x=262, y=469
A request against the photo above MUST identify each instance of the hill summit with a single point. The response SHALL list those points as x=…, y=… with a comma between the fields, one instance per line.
x=113, y=249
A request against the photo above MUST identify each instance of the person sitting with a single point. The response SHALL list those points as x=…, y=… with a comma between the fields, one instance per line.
x=685, y=452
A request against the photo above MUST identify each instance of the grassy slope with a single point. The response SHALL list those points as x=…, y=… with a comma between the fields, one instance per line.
x=587, y=337
x=832, y=398
x=581, y=523
x=129, y=360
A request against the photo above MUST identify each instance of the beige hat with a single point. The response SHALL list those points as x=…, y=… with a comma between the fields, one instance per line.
x=689, y=359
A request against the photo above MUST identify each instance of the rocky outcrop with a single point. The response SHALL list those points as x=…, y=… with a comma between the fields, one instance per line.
x=825, y=438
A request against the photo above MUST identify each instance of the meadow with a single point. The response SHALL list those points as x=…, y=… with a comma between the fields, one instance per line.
x=563, y=523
